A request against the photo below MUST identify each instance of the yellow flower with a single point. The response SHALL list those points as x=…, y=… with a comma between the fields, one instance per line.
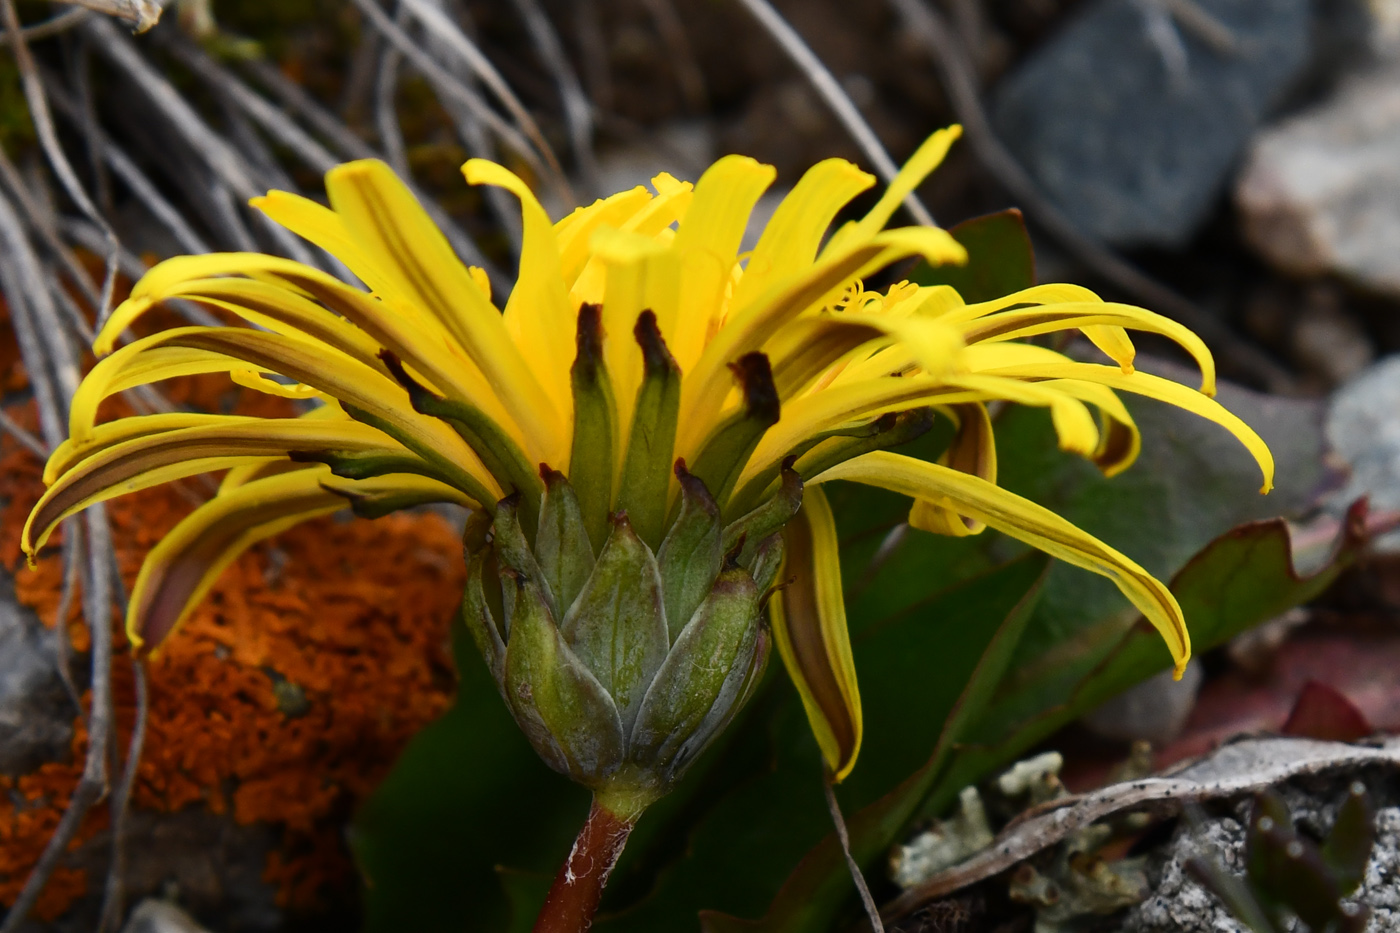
x=636, y=336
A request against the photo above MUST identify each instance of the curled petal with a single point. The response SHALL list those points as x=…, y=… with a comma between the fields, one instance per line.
x=809, y=626
x=184, y=565
x=152, y=459
x=1164, y=390
x=973, y=451
x=1020, y=518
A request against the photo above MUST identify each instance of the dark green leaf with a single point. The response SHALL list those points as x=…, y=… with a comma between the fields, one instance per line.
x=468, y=794
x=999, y=258
x=1348, y=847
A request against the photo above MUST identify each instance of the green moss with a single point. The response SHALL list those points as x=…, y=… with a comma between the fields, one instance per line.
x=15, y=128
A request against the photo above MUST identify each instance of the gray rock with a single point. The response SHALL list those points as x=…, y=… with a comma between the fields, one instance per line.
x=153, y=916
x=1180, y=905
x=36, y=715
x=204, y=862
x=1320, y=192
x=1134, y=153
x=1363, y=431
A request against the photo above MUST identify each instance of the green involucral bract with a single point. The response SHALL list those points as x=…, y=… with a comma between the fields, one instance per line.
x=620, y=669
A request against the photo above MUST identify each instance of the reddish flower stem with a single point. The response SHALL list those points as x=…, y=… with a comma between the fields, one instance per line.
x=573, y=898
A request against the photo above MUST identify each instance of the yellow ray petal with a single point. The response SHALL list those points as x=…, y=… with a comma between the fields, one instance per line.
x=258, y=469
x=924, y=160
x=179, y=571
x=805, y=349
x=641, y=274
x=1115, y=343
x=575, y=231
x=327, y=229
x=104, y=436
x=389, y=223
x=706, y=247
x=1120, y=441
x=973, y=451
x=1022, y=519
x=1056, y=293
x=537, y=315
x=819, y=412
x=1101, y=321
x=652, y=220
x=671, y=204
x=280, y=291
x=708, y=382
x=153, y=459
x=249, y=379
x=268, y=305
x=809, y=627
x=1163, y=390
x=790, y=240
x=192, y=350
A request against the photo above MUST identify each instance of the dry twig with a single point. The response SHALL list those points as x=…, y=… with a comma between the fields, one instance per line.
x=135, y=180
x=53, y=371
x=141, y=14
x=836, y=98
x=440, y=25
x=386, y=108
x=688, y=74
x=113, y=900
x=578, y=110
x=42, y=222
x=50, y=27
x=448, y=86
x=1230, y=771
x=48, y=141
x=26, y=440
x=844, y=837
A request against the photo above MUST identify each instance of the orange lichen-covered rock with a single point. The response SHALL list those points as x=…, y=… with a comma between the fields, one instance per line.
x=286, y=697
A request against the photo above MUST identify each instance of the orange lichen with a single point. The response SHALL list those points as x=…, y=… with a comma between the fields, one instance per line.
x=288, y=694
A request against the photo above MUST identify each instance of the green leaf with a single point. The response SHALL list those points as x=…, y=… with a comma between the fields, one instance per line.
x=922, y=721
x=1347, y=849
x=1244, y=577
x=999, y=258
x=526, y=891
x=467, y=794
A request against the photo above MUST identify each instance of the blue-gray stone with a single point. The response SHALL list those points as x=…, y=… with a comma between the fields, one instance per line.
x=36, y=716
x=1135, y=155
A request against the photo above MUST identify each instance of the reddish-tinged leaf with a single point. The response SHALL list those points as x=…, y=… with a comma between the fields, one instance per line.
x=1323, y=712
